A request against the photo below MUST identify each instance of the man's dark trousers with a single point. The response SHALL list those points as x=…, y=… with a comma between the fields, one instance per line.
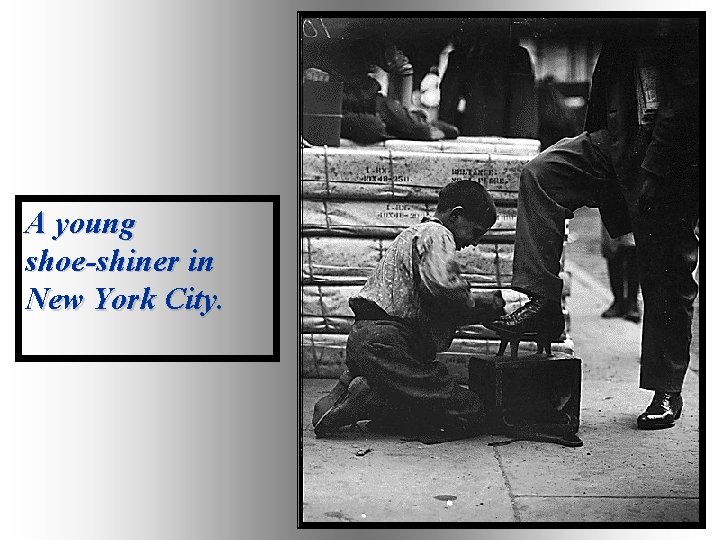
x=579, y=172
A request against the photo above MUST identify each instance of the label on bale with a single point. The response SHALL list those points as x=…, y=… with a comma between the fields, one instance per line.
x=382, y=173
x=328, y=259
x=366, y=218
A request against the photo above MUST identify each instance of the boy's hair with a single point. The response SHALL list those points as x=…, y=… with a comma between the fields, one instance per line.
x=472, y=196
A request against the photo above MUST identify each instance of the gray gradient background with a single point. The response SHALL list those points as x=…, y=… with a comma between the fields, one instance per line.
x=238, y=235
x=143, y=96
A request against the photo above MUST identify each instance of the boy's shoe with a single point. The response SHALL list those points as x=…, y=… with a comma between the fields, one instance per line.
x=617, y=309
x=335, y=395
x=355, y=406
x=633, y=313
x=662, y=412
x=538, y=316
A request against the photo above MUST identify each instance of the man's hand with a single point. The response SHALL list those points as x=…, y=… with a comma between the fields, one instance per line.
x=487, y=306
x=654, y=196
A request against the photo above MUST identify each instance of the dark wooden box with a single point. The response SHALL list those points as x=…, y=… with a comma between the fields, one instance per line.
x=534, y=389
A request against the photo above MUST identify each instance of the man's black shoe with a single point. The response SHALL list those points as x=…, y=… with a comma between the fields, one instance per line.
x=662, y=412
x=539, y=316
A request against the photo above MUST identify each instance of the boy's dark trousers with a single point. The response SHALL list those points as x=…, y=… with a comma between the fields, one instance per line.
x=418, y=393
x=578, y=172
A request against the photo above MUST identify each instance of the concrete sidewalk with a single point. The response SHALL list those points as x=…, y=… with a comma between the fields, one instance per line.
x=621, y=474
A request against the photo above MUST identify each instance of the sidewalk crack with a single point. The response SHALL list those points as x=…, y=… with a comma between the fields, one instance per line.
x=513, y=503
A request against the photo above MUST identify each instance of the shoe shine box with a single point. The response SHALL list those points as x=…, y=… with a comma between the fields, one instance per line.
x=532, y=389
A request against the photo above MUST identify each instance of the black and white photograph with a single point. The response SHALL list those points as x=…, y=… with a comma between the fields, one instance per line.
x=500, y=272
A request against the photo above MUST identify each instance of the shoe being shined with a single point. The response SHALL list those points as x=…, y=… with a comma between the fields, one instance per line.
x=329, y=400
x=356, y=405
x=538, y=316
x=662, y=412
x=539, y=320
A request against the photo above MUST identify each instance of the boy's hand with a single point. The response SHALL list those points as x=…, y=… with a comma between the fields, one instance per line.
x=499, y=303
x=488, y=307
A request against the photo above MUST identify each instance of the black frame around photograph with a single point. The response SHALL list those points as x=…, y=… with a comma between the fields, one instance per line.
x=386, y=18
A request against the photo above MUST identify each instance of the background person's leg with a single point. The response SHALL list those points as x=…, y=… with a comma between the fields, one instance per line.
x=633, y=284
x=616, y=273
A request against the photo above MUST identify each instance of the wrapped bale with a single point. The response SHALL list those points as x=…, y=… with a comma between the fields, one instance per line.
x=351, y=260
x=385, y=219
x=512, y=141
x=348, y=173
x=461, y=145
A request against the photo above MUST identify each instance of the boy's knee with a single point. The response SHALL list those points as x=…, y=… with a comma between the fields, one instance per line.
x=369, y=342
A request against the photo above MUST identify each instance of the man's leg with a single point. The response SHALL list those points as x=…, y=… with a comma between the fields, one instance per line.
x=667, y=254
x=573, y=173
x=667, y=250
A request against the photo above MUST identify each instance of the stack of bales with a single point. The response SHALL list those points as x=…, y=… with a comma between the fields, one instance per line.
x=355, y=200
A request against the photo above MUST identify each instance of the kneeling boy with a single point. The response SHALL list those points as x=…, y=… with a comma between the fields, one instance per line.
x=409, y=310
